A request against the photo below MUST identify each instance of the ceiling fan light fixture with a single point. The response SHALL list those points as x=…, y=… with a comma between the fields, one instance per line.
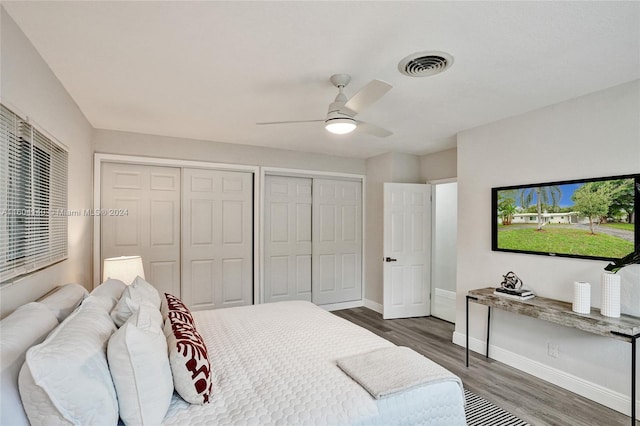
x=340, y=126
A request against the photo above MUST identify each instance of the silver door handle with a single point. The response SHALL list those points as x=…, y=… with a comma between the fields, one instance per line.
x=389, y=259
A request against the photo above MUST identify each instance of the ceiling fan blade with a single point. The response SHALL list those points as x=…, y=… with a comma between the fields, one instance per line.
x=289, y=122
x=373, y=130
x=368, y=95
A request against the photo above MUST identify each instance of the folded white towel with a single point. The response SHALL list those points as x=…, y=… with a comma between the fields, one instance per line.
x=386, y=371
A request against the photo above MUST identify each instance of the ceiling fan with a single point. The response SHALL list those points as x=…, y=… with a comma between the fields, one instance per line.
x=340, y=117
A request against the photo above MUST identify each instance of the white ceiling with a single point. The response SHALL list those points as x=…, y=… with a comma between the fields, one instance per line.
x=211, y=70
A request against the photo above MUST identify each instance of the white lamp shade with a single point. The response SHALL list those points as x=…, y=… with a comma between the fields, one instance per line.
x=123, y=268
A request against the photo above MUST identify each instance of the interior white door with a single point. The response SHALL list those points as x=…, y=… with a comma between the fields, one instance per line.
x=217, y=238
x=287, y=238
x=407, y=241
x=146, y=220
x=337, y=241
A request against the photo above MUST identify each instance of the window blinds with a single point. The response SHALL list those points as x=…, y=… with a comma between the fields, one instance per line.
x=33, y=198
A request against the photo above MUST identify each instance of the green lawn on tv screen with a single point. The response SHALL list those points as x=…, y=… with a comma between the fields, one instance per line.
x=563, y=241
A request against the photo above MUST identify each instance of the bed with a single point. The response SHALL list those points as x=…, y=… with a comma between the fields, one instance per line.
x=277, y=364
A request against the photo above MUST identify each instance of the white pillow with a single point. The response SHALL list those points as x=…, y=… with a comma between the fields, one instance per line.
x=64, y=299
x=109, y=292
x=133, y=296
x=125, y=308
x=66, y=378
x=139, y=366
x=26, y=326
x=146, y=291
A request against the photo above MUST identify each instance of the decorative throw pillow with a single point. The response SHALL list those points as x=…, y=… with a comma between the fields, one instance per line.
x=139, y=366
x=176, y=310
x=188, y=355
x=135, y=294
x=66, y=379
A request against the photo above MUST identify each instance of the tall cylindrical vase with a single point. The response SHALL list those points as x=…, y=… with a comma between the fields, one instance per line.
x=630, y=290
x=581, y=297
x=610, y=295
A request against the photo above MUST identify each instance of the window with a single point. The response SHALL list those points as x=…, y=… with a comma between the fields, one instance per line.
x=33, y=198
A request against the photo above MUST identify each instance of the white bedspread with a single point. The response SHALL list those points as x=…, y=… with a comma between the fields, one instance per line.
x=276, y=364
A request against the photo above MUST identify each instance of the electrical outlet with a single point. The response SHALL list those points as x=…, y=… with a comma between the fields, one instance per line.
x=553, y=350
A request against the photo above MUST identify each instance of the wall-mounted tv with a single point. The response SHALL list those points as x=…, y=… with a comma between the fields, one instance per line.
x=595, y=218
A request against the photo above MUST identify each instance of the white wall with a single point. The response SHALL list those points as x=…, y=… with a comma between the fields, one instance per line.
x=114, y=142
x=405, y=168
x=591, y=136
x=30, y=88
x=378, y=171
x=440, y=165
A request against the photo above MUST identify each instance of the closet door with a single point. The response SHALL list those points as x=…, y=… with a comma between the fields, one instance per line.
x=287, y=239
x=337, y=241
x=146, y=204
x=217, y=238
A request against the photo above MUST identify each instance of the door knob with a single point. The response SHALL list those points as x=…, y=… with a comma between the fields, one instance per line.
x=389, y=259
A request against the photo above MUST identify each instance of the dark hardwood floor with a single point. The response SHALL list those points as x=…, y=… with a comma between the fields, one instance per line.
x=532, y=399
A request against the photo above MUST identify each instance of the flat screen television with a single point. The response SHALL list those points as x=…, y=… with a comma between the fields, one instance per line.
x=595, y=218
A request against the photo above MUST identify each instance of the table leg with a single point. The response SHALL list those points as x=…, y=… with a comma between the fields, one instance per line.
x=466, y=332
x=633, y=380
x=488, y=327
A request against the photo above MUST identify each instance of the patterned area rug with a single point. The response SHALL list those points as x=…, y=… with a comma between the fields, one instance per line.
x=481, y=412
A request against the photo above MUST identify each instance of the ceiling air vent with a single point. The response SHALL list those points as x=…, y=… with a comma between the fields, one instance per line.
x=424, y=64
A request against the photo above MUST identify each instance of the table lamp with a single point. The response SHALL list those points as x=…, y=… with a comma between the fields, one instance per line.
x=123, y=268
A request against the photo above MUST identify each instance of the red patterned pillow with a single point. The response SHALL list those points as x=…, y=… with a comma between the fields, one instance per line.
x=188, y=355
x=177, y=310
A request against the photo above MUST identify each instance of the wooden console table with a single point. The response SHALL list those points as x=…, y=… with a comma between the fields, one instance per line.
x=626, y=328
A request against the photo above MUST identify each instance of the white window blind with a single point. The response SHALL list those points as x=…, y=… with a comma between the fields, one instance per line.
x=33, y=198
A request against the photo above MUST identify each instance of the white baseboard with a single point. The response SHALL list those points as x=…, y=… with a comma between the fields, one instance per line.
x=374, y=306
x=444, y=305
x=607, y=397
x=342, y=305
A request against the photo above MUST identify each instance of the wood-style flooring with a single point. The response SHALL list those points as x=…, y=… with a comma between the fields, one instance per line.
x=532, y=399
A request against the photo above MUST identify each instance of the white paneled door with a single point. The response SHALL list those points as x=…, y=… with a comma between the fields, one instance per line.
x=217, y=238
x=407, y=242
x=142, y=217
x=287, y=238
x=337, y=241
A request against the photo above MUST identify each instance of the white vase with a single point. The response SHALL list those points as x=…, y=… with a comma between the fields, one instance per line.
x=581, y=297
x=610, y=295
x=630, y=290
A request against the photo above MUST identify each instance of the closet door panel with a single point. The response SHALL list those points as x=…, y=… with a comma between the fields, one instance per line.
x=217, y=238
x=125, y=230
x=337, y=241
x=201, y=271
x=162, y=212
x=150, y=195
x=278, y=277
x=303, y=275
x=233, y=271
x=232, y=222
x=162, y=274
x=349, y=269
x=287, y=236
